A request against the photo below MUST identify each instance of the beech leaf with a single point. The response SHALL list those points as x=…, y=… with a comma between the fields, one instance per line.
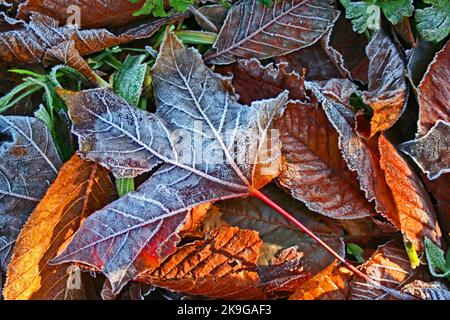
x=29, y=163
x=254, y=30
x=189, y=97
x=81, y=188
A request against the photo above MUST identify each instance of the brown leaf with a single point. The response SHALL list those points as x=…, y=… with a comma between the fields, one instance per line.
x=253, y=81
x=434, y=92
x=28, y=43
x=388, y=91
x=254, y=30
x=331, y=284
x=314, y=170
x=427, y=290
x=223, y=266
x=404, y=29
x=432, y=151
x=92, y=13
x=81, y=188
x=416, y=215
x=439, y=189
x=389, y=266
x=215, y=13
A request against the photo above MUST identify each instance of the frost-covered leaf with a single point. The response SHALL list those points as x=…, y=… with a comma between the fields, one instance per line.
x=434, y=92
x=388, y=91
x=254, y=30
x=252, y=81
x=80, y=189
x=192, y=103
x=313, y=168
x=91, y=14
x=433, y=22
x=225, y=266
x=278, y=234
x=439, y=190
x=129, y=80
x=330, y=284
x=215, y=13
x=28, y=43
x=437, y=263
x=29, y=163
x=427, y=290
x=389, y=266
x=432, y=151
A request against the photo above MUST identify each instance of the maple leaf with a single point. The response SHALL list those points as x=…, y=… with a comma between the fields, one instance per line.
x=95, y=14
x=27, y=43
x=225, y=266
x=388, y=91
x=313, y=168
x=80, y=189
x=268, y=31
x=145, y=223
x=431, y=152
x=390, y=266
x=29, y=162
x=330, y=284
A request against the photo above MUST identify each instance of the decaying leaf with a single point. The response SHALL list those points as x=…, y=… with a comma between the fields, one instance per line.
x=29, y=163
x=427, y=291
x=194, y=102
x=390, y=266
x=91, y=14
x=432, y=151
x=388, y=91
x=224, y=266
x=80, y=189
x=254, y=30
x=434, y=95
x=331, y=284
x=253, y=81
x=313, y=168
x=27, y=43
x=278, y=234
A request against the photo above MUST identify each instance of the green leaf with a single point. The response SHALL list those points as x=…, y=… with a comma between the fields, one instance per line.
x=436, y=260
x=196, y=37
x=129, y=80
x=124, y=186
x=433, y=23
x=181, y=5
x=355, y=251
x=366, y=14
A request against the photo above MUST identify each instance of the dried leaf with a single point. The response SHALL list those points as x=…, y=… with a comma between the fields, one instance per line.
x=277, y=233
x=28, y=43
x=427, y=291
x=416, y=215
x=29, y=163
x=439, y=189
x=389, y=266
x=253, y=81
x=223, y=266
x=215, y=13
x=189, y=97
x=80, y=189
x=331, y=284
x=432, y=151
x=313, y=168
x=92, y=13
x=434, y=92
x=388, y=91
x=253, y=30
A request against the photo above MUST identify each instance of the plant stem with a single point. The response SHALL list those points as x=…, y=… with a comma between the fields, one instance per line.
x=258, y=194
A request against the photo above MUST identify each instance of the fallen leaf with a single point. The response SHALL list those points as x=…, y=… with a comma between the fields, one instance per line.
x=144, y=225
x=331, y=284
x=29, y=163
x=80, y=189
x=439, y=189
x=92, y=14
x=389, y=266
x=313, y=169
x=215, y=13
x=28, y=43
x=427, y=291
x=388, y=91
x=223, y=266
x=254, y=30
x=432, y=151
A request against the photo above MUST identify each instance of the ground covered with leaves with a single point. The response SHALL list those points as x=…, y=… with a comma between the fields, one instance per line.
x=219, y=149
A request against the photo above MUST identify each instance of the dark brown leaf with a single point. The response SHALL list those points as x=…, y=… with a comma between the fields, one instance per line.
x=254, y=30
x=427, y=291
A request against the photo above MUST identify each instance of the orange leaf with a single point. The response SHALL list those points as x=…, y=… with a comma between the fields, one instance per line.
x=81, y=188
